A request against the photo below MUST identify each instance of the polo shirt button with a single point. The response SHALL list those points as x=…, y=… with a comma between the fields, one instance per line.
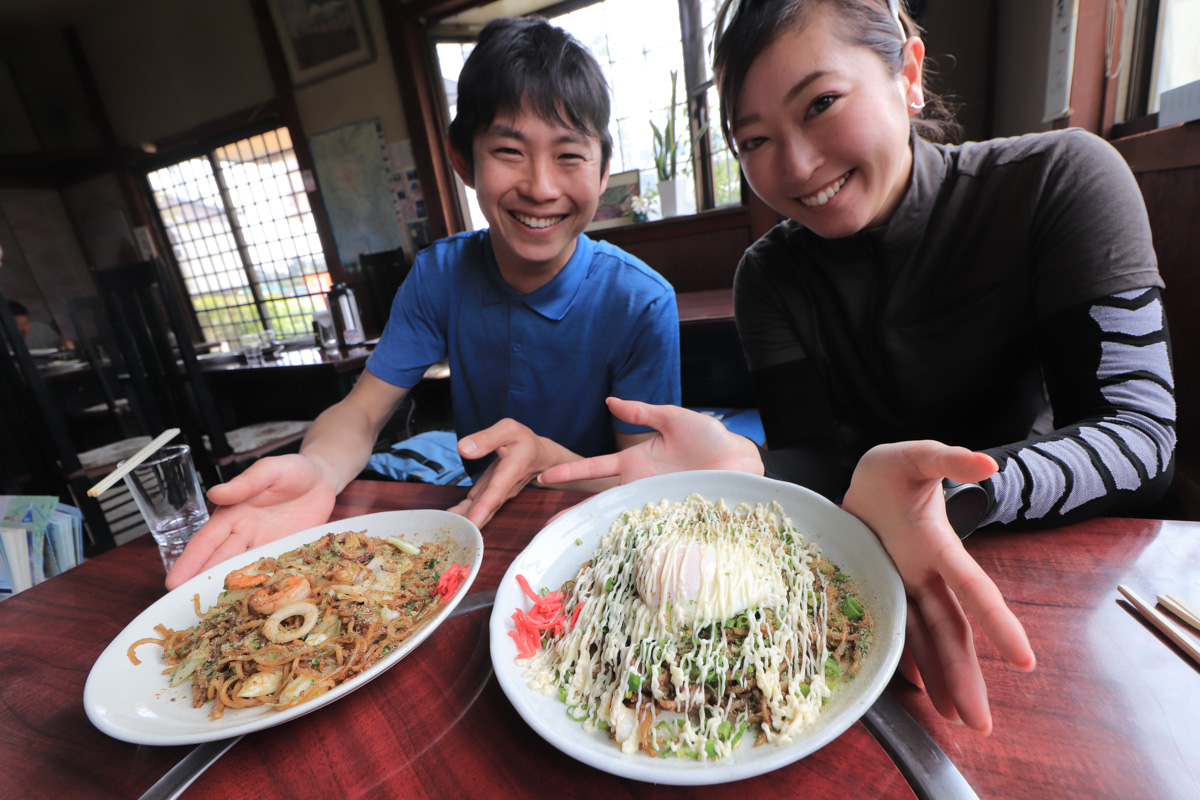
x=516, y=348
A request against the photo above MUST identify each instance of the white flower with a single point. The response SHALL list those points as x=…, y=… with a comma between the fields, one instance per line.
x=640, y=204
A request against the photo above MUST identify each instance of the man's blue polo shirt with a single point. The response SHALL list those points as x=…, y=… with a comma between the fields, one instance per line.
x=606, y=325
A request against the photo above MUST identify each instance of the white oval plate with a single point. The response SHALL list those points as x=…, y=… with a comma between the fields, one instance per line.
x=554, y=557
x=135, y=704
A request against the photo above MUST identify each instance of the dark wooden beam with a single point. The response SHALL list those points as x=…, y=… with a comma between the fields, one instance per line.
x=422, y=101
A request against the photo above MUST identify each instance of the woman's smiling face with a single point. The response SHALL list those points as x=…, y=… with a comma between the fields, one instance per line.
x=822, y=129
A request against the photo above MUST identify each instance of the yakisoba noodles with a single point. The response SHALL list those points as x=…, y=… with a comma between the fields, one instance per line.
x=695, y=624
x=289, y=629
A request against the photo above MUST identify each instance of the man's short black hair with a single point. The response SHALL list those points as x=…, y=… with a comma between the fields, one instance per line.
x=526, y=62
x=18, y=309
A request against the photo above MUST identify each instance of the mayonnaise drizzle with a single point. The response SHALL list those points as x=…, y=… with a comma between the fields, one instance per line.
x=620, y=640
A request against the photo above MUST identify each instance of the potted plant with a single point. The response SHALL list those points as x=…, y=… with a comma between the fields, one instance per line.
x=671, y=188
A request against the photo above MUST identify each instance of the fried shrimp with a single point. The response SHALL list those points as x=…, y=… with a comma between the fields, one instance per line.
x=291, y=589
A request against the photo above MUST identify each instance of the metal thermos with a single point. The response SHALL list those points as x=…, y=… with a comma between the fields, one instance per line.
x=346, y=320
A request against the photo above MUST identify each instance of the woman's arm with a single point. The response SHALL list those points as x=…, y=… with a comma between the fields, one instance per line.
x=1107, y=366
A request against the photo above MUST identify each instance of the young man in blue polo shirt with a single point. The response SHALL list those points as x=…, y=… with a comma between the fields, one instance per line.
x=540, y=323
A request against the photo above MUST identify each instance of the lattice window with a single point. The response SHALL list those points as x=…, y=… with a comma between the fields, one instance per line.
x=244, y=237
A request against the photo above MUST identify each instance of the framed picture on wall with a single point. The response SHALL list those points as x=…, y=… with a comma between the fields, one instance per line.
x=616, y=204
x=321, y=38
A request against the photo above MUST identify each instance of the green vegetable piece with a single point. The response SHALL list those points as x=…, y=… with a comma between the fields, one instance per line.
x=738, y=737
x=833, y=672
x=852, y=608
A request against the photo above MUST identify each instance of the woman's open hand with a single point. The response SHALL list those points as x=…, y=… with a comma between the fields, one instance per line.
x=897, y=491
x=685, y=440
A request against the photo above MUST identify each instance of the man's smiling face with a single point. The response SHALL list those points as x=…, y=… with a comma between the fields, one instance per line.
x=538, y=184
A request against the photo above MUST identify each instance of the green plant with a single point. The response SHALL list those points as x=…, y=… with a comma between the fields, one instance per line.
x=666, y=143
x=666, y=146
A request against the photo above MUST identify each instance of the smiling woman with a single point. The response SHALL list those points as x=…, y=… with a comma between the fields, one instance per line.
x=921, y=301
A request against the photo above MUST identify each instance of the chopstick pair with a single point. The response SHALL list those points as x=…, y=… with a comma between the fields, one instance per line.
x=1180, y=608
x=1158, y=620
x=130, y=463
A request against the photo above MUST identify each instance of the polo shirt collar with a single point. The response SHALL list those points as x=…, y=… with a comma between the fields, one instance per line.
x=553, y=300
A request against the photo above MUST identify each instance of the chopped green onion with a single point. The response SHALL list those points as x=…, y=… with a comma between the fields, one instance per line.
x=852, y=608
x=833, y=672
x=581, y=718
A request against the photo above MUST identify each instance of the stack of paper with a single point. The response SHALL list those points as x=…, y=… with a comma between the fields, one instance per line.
x=39, y=538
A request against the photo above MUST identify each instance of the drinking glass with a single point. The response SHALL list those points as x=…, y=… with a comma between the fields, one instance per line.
x=167, y=491
x=252, y=348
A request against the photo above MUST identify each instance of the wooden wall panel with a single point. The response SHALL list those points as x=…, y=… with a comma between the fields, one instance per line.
x=694, y=253
x=1173, y=203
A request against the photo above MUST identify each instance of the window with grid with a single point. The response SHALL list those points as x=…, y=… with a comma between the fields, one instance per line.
x=243, y=234
x=637, y=60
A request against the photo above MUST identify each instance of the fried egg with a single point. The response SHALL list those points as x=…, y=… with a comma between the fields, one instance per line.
x=709, y=580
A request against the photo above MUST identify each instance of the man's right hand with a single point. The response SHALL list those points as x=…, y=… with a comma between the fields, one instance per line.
x=275, y=497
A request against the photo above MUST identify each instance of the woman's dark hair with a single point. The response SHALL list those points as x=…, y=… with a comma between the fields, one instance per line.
x=528, y=63
x=747, y=27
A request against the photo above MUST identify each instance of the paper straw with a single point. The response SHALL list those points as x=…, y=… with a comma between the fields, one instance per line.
x=137, y=458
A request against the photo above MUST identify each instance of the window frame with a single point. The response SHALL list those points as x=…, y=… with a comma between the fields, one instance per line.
x=204, y=145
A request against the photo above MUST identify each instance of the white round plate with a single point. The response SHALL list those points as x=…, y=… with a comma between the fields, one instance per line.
x=554, y=556
x=135, y=703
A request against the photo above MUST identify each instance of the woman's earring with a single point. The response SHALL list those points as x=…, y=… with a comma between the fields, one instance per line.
x=916, y=106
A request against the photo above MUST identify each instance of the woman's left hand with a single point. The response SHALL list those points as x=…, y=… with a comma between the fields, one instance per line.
x=684, y=440
x=897, y=491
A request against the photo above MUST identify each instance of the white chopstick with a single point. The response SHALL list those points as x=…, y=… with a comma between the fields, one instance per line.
x=1181, y=608
x=1162, y=623
x=130, y=463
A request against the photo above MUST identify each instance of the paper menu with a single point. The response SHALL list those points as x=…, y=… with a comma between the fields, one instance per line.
x=39, y=538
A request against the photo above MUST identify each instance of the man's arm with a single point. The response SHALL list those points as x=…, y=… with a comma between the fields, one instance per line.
x=279, y=496
x=340, y=441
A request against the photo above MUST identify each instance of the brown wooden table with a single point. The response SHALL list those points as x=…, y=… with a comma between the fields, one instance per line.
x=1111, y=711
x=298, y=383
